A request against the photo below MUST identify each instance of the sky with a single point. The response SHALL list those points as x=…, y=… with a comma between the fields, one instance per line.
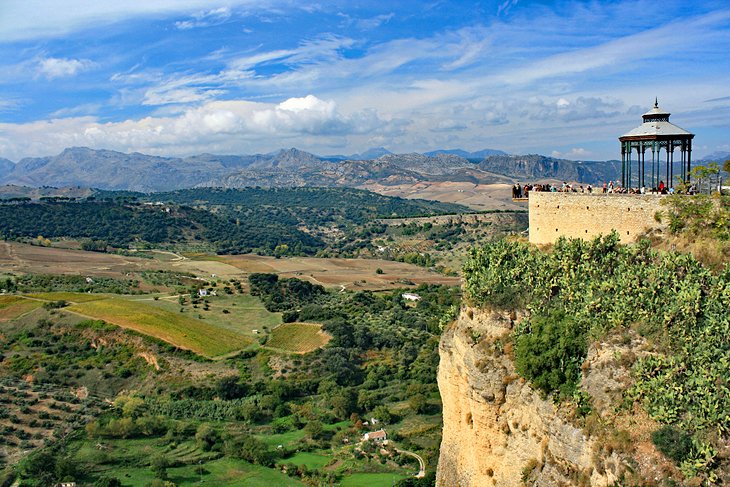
x=182, y=77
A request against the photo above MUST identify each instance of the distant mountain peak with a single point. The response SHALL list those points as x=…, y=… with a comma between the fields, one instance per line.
x=108, y=169
x=480, y=154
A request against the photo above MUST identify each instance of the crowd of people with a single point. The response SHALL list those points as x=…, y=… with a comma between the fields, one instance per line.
x=523, y=191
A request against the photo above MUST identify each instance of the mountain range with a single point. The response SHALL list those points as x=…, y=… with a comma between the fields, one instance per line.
x=106, y=169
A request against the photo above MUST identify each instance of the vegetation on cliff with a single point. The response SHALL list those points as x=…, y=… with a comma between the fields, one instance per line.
x=580, y=291
x=699, y=225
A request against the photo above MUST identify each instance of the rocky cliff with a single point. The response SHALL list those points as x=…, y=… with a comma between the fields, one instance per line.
x=499, y=431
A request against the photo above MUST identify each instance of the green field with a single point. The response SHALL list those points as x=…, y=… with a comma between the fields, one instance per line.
x=371, y=480
x=178, y=329
x=286, y=439
x=220, y=473
x=245, y=313
x=298, y=337
x=311, y=460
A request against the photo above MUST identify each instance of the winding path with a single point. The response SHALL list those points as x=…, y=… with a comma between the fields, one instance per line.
x=422, y=471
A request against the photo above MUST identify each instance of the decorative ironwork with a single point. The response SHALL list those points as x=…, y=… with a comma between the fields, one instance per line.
x=655, y=134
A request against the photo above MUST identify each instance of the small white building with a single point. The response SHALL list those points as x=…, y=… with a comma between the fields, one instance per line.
x=379, y=436
x=202, y=292
x=411, y=296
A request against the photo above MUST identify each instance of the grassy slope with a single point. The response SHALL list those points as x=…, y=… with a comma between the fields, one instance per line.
x=298, y=337
x=12, y=307
x=175, y=328
x=371, y=480
x=221, y=472
x=245, y=313
x=68, y=296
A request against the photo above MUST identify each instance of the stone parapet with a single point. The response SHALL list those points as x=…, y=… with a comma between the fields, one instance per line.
x=587, y=215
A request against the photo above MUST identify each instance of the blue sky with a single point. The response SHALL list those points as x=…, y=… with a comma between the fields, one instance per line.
x=177, y=77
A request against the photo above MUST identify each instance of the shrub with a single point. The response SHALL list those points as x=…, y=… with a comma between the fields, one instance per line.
x=674, y=443
x=108, y=482
x=550, y=353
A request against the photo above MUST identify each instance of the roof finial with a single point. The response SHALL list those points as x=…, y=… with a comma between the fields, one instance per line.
x=656, y=102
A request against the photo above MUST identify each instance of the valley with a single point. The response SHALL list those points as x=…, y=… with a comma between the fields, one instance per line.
x=199, y=364
x=173, y=353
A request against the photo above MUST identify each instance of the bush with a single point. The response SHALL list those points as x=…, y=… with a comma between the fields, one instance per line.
x=674, y=443
x=550, y=353
x=108, y=482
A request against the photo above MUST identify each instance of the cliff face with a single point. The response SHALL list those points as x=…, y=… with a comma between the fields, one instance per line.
x=497, y=429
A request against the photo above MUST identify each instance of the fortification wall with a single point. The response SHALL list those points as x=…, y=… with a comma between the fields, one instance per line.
x=587, y=215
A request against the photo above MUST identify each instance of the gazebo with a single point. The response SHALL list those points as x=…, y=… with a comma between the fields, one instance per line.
x=655, y=134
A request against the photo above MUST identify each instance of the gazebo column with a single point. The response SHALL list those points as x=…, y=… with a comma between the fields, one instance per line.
x=671, y=165
x=653, y=165
x=643, y=165
x=623, y=164
x=689, y=159
x=625, y=183
x=683, y=156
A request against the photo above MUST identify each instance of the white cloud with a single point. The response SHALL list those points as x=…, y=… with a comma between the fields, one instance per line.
x=506, y=6
x=449, y=125
x=229, y=125
x=205, y=18
x=374, y=22
x=647, y=44
x=61, y=67
x=576, y=153
x=20, y=19
x=581, y=108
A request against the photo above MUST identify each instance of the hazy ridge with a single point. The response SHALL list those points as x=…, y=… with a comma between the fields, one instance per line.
x=106, y=169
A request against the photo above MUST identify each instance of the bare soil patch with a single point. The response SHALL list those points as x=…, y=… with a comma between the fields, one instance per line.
x=476, y=196
x=350, y=273
x=23, y=258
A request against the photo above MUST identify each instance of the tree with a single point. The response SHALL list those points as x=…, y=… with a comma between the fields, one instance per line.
x=207, y=437
x=38, y=469
x=706, y=173
x=418, y=403
x=229, y=387
x=314, y=429
x=343, y=403
x=159, y=465
x=250, y=449
x=108, y=482
x=383, y=414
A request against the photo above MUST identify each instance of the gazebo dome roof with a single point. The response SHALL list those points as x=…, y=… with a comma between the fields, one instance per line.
x=656, y=124
x=656, y=112
x=657, y=128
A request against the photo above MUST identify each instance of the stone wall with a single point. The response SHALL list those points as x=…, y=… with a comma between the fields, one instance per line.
x=586, y=215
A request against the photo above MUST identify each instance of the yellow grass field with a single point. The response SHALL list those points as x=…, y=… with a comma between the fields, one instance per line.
x=497, y=196
x=68, y=296
x=174, y=328
x=298, y=337
x=6, y=301
x=13, y=306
